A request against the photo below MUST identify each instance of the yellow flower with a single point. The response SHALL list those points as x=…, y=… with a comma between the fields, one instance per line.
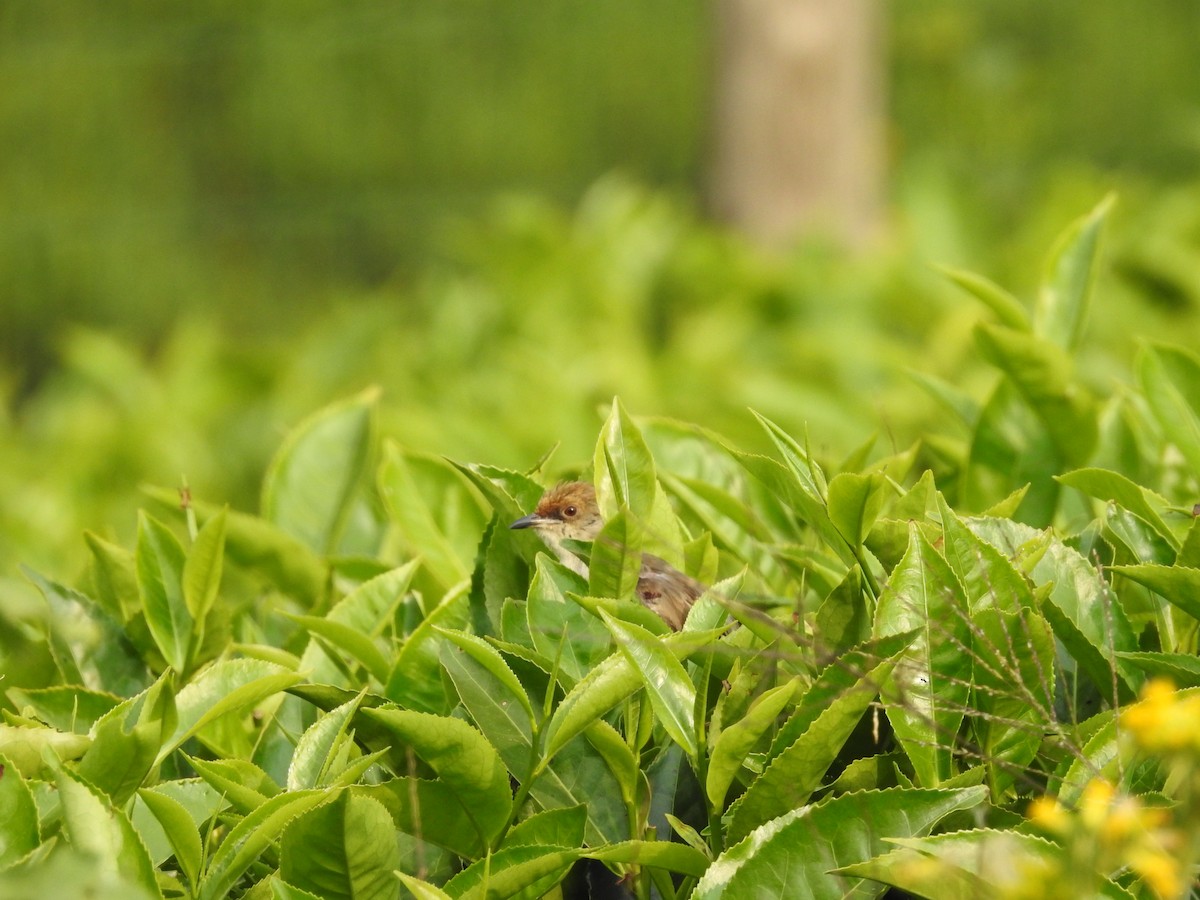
x=1161, y=871
x=1095, y=802
x=1163, y=720
x=1045, y=812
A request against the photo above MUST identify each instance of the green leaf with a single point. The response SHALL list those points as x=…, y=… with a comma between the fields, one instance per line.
x=314, y=755
x=1178, y=584
x=619, y=758
x=427, y=501
x=1115, y=487
x=655, y=854
x=1013, y=702
x=160, y=562
x=246, y=786
x=1062, y=303
x=606, y=685
x=1041, y=373
x=844, y=617
x=342, y=849
x=103, y=833
x=65, y=707
x=800, y=484
x=1007, y=308
x=351, y=641
x=854, y=504
x=737, y=740
x=672, y=695
x=624, y=467
x=281, y=890
x=126, y=741
x=979, y=863
x=848, y=673
x=422, y=890
x=27, y=746
x=248, y=839
x=180, y=830
x=616, y=560
x=1169, y=378
x=225, y=687
x=798, y=769
x=794, y=855
x=18, y=815
x=284, y=562
x=988, y=578
x=462, y=759
x=202, y=569
x=524, y=871
x=494, y=698
x=926, y=692
x=589, y=770
x=1011, y=448
x=1084, y=612
x=559, y=628
x=552, y=828
x=368, y=610
x=114, y=577
x=312, y=482
x=1182, y=668
x=409, y=682
x=427, y=810
x=806, y=470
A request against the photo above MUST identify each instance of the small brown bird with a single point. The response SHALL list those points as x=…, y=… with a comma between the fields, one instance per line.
x=570, y=512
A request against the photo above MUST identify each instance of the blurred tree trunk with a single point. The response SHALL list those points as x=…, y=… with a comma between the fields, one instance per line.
x=799, y=118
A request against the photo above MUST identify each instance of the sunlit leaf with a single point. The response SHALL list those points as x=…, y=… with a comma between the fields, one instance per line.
x=310, y=486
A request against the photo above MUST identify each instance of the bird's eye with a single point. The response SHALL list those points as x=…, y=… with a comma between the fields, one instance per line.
x=570, y=511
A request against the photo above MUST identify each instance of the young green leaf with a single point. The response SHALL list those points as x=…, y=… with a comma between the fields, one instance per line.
x=160, y=562
x=409, y=682
x=1007, y=308
x=310, y=766
x=247, y=840
x=104, y=834
x=493, y=696
x=342, y=850
x=797, y=770
x=1169, y=378
x=313, y=480
x=854, y=503
x=224, y=687
x=462, y=759
x=1062, y=303
x=606, y=685
x=738, y=739
x=926, y=692
x=180, y=831
x=624, y=467
x=19, y=824
x=616, y=559
x=671, y=692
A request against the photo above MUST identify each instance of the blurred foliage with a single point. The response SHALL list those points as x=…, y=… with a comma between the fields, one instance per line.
x=221, y=217
x=373, y=674
x=254, y=157
x=514, y=347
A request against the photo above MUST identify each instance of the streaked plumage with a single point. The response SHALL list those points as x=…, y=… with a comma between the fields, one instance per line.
x=570, y=512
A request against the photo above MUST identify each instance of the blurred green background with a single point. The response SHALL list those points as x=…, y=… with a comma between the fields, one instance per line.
x=216, y=217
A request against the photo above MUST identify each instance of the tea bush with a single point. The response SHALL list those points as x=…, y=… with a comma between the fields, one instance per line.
x=372, y=687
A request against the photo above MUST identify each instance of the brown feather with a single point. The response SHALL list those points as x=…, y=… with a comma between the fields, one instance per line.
x=570, y=511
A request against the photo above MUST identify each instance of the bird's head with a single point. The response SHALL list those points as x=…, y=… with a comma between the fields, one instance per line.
x=568, y=512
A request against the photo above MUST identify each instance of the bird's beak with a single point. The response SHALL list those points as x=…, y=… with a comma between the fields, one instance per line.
x=530, y=521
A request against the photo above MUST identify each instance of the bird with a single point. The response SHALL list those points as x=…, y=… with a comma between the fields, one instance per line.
x=570, y=512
